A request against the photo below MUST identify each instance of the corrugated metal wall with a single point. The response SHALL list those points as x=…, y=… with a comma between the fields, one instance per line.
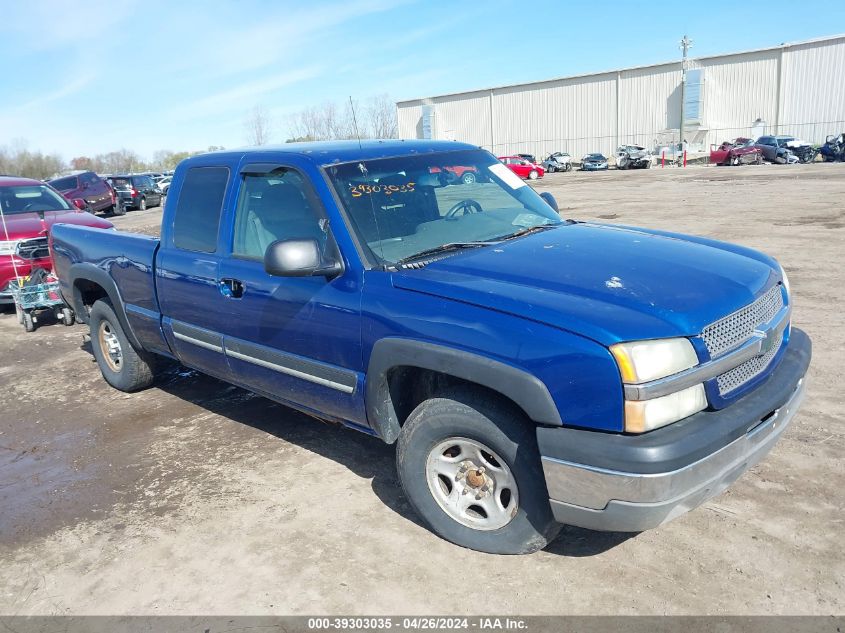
x=581, y=114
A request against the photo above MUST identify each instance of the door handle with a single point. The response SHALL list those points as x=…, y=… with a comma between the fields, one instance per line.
x=232, y=288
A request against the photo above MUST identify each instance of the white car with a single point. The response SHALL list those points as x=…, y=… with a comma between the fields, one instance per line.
x=632, y=157
x=559, y=161
x=163, y=183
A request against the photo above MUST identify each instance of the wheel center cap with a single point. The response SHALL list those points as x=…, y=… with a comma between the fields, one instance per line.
x=475, y=477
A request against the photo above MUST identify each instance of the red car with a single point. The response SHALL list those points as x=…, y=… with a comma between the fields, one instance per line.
x=87, y=191
x=523, y=168
x=467, y=175
x=737, y=152
x=30, y=208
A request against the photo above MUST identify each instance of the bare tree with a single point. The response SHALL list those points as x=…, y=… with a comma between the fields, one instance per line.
x=20, y=161
x=380, y=114
x=377, y=119
x=257, y=126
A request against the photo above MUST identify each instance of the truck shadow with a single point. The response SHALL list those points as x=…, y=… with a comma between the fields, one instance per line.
x=367, y=457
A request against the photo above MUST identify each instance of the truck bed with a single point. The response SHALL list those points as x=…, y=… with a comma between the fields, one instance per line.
x=124, y=266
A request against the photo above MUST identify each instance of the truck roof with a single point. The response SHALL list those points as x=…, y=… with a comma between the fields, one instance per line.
x=328, y=152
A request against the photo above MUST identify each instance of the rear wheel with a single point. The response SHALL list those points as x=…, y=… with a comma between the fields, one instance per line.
x=470, y=467
x=468, y=178
x=121, y=365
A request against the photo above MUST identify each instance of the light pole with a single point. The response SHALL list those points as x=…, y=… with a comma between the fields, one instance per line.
x=686, y=44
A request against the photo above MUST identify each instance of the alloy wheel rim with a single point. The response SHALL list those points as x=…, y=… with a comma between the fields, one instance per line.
x=472, y=484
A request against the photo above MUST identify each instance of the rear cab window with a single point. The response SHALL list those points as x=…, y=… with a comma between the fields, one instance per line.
x=197, y=220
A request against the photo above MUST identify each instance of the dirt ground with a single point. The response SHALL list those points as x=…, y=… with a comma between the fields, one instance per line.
x=195, y=497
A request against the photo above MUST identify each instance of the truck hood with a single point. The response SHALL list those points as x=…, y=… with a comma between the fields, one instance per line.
x=22, y=226
x=606, y=283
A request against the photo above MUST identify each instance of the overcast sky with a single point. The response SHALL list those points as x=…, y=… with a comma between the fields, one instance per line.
x=85, y=77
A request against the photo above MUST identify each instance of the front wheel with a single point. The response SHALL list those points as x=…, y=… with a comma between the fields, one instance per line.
x=532, y=175
x=468, y=178
x=122, y=367
x=470, y=467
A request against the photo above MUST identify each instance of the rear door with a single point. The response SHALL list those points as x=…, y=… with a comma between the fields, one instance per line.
x=187, y=271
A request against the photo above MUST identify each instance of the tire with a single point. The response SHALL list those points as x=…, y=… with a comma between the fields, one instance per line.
x=67, y=316
x=468, y=178
x=466, y=420
x=758, y=160
x=532, y=175
x=142, y=204
x=734, y=160
x=28, y=322
x=124, y=368
x=118, y=209
x=550, y=169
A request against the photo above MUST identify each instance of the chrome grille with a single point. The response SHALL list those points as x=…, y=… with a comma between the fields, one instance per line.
x=33, y=249
x=736, y=328
x=741, y=374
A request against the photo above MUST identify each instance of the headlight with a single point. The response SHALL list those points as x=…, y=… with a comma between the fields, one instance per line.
x=645, y=415
x=642, y=361
x=785, y=279
x=8, y=248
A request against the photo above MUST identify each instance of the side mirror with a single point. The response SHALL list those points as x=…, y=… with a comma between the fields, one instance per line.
x=550, y=200
x=298, y=258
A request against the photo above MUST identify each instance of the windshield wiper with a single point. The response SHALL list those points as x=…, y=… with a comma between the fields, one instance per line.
x=525, y=231
x=443, y=248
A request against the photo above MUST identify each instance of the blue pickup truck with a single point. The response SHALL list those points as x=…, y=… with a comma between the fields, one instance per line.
x=534, y=371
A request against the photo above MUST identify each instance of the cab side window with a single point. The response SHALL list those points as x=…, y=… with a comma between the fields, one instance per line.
x=272, y=207
x=197, y=218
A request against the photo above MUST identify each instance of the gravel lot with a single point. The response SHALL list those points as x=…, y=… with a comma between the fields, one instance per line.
x=196, y=497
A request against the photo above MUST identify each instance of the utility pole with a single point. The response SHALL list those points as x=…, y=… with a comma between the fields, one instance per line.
x=686, y=44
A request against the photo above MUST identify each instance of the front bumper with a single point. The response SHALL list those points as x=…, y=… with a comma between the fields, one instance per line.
x=630, y=483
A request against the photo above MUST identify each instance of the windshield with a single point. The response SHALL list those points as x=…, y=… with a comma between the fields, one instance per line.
x=399, y=207
x=31, y=198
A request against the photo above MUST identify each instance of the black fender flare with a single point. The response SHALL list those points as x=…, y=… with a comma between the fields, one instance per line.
x=89, y=272
x=523, y=388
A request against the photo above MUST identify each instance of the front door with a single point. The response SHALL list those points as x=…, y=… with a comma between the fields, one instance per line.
x=294, y=338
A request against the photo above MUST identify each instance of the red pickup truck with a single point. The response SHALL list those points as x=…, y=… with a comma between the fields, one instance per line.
x=29, y=209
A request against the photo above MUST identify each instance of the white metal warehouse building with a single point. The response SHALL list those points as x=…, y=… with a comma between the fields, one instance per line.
x=796, y=89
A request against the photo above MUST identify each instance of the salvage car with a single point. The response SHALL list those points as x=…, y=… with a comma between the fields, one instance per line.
x=534, y=371
x=740, y=151
x=137, y=192
x=632, y=157
x=776, y=150
x=523, y=167
x=558, y=161
x=95, y=194
x=593, y=162
x=29, y=209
